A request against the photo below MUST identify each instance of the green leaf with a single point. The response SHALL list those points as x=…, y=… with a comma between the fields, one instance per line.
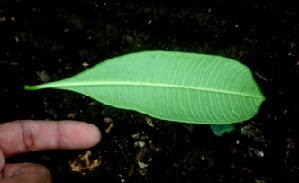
x=174, y=86
x=219, y=129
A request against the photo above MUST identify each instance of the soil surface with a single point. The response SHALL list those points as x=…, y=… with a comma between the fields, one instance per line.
x=43, y=41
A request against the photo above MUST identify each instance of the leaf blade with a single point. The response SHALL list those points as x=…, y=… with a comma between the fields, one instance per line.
x=174, y=86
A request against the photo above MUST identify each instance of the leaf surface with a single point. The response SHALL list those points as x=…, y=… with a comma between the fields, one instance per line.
x=174, y=86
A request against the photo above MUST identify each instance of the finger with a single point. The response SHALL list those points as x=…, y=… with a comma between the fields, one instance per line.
x=2, y=162
x=25, y=172
x=22, y=136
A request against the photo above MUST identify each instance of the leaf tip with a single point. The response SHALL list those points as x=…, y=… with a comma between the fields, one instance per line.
x=27, y=87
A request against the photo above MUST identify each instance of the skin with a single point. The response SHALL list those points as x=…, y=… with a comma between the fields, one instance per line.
x=23, y=136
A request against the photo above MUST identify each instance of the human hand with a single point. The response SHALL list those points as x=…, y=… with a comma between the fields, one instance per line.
x=23, y=136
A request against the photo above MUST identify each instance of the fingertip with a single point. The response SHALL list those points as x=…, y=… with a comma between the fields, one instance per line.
x=78, y=135
x=98, y=134
x=94, y=135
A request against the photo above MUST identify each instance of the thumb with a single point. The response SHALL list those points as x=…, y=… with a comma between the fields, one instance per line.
x=25, y=173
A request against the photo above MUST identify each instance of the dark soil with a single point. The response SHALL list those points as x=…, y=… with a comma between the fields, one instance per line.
x=61, y=38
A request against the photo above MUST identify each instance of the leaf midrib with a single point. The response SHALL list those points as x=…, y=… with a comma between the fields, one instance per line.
x=59, y=84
